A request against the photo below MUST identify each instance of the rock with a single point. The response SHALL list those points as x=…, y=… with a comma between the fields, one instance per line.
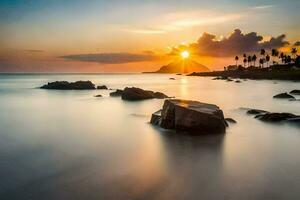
x=172, y=78
x=190, y=116
x=228, y=79
x=256, y=111
x=156, y=118
x=65, y=85
x=284, y=96
x=134, y=94
x=295, y=120
x=160, y=95
x=238, y=81
x=116, y=93
x=102, y=87
x=297, y=92
x=178, y=74
x=276, y=117
x=98, y=95
x=217, y=78
x=230, y=120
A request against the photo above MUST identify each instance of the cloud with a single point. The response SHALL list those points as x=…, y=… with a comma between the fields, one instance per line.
x=235, y=43
x=182, y=21
x=297, y=43
x=34, y=50
x=263, y=7
x=113, y=58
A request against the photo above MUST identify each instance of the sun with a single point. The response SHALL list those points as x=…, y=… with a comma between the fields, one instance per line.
x=185, y=54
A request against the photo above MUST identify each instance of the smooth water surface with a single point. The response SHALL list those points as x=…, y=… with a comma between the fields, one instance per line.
x=70, y=145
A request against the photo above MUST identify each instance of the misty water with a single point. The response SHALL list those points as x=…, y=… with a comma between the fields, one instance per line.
x=70, y=145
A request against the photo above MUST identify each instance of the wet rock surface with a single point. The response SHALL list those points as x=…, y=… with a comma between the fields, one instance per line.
x=65, y=85
x=102, y=87
x=283, y=96
x=134, y=94
x=190, y=116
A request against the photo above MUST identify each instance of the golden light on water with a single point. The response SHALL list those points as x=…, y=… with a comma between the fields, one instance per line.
x=185, y=54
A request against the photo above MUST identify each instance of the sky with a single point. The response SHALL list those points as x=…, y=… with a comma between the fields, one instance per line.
x=137, y=35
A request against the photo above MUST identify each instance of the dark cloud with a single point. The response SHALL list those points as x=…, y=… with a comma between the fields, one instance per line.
x=236, y=43
x=297, y=43
x=34, y=50
x=112, y=58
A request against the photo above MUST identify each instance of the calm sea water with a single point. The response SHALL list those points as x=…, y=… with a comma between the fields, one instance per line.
x=70, y=145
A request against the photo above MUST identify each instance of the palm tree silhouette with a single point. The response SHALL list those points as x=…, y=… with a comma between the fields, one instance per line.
x=254, y=59
x=274, y=54
x=262, y=52
x=236, y=60
x=245, y=61
x=249, y=60
x=261, y=62
x=282, y=57
x=294, y=52
x=267, y=59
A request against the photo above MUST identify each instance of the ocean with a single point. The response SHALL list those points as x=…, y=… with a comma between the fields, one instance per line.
x=70, y=145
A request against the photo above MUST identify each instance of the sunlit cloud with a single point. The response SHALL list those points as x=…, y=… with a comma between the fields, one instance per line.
x=145, y=31
x=235, y=44
x=179, y=21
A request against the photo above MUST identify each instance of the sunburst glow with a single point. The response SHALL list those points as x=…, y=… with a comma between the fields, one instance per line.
x=185, y=54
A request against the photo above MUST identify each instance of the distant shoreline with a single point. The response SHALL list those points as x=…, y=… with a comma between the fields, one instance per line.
x=256, y=74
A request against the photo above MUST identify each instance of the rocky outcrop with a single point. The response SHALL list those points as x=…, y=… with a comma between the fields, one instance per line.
x=297, y=92
x=256, y=111
x=102, y=87
x=134, y=94
x=65, y=85
x=275, y=117
x=116, y=93
x=284, y=96
x=190, y=116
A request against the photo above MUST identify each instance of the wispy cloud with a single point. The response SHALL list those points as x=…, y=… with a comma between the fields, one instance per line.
x=113, y=58
x=262, y=7
x=179, y=21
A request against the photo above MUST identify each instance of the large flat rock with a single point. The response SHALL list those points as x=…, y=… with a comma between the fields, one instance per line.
x=190, y=116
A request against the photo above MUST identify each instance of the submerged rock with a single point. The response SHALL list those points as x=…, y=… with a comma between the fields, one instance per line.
x=256, y=111
x=297, y=92
x=172, y=78
x=284, y=96
x=134, y=94
x=276, y=117
x=190, y=116
x=98, y=95
x=230, y=120
x=116, y=93
x=102, y=87
x=65, y=85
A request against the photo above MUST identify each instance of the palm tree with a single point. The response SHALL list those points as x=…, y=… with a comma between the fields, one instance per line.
x=262, y=52
x=282, y=57
x=268, y=60
x=294, y=52
x=274, y=54
x=261, y=62
x=245, y=61
x=254, y=59
x=236, y=60
x=249, y=60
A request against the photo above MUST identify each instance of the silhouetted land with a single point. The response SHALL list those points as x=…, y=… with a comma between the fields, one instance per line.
x=260, y=73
